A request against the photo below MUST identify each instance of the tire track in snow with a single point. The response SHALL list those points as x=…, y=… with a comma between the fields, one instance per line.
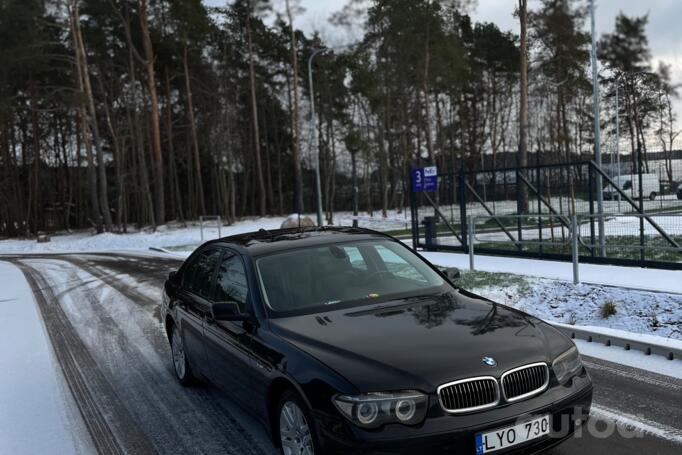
x=120, y=327
x=104, y=415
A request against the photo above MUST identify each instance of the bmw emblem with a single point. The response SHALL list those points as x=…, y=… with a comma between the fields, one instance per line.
x=489, y=361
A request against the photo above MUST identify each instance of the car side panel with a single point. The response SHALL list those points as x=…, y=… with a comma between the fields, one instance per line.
x=191, y=311
x=275, y=359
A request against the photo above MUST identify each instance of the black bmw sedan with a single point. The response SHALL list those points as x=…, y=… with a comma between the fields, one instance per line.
x=346, y=341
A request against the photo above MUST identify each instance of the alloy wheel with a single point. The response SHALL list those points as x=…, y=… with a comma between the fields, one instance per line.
x=178, y=355
x=294, y=431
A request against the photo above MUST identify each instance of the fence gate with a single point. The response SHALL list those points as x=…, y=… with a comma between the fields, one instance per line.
x=527, y=212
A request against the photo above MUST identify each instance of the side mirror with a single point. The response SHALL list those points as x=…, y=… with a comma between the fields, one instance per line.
x=172, y=284
x=451, y=273
x=228, y=311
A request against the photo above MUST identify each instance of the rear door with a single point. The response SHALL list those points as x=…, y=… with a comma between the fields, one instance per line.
x=228, y=343
x=194, y=305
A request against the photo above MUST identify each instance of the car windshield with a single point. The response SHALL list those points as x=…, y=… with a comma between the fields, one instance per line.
x=314, y=279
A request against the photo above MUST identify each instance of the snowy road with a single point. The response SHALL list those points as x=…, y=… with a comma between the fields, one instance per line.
x=101, y=317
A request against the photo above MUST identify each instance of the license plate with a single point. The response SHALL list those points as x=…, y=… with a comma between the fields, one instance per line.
x=506, y=437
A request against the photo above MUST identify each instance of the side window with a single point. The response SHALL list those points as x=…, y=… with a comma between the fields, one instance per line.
x=355, y=257
x=197, y=278
x=231, y=284
x=399, y=266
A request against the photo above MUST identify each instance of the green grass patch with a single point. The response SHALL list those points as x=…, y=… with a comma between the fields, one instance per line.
x=478, y=280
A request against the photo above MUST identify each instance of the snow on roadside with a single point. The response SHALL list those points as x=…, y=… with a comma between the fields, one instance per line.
x=34, y=398
x=636, y=312
x=176, y=236
x=165, y=236
x=608, y=275
x=635, y=359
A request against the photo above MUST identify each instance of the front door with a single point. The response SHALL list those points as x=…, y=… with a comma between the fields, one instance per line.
x=228, y=343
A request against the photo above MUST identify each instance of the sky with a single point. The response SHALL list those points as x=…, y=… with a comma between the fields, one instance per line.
x=665, y=37
x=664, y=33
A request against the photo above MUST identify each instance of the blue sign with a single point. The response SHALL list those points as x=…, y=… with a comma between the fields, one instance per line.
x=425, y=179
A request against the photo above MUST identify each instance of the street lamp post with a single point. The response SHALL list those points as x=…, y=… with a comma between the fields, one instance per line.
x=618, y=135
x=315, y=142
x=597, y=134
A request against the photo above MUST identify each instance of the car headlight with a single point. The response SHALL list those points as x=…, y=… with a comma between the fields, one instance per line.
x=567, y=365
x=373, y=410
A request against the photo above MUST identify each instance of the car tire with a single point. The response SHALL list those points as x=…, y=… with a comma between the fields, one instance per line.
x=295, y=427
x=653, y=196
x=183, y=371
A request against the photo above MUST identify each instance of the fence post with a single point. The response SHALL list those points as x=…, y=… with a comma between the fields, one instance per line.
x=472, y=238
x=201, y=228
x=540, y=184
x=463, y=206
x=519, y=235
x=591, y=197
x=574, y=248
x=220, y=225
x=414, y=214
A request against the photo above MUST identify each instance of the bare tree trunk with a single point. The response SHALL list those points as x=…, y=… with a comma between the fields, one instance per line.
x=254, y=118
x=91, y=120
x=92, y=176
x=175, y=184
x=298, y=178
x=117, y=154
x=157, y=156
x=35, y=146
x=193, y=131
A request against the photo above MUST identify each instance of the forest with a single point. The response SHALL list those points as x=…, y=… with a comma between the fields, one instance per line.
x=119, y=114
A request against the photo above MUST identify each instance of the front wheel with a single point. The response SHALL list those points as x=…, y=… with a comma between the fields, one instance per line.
x=295, y=426
x=183, y=372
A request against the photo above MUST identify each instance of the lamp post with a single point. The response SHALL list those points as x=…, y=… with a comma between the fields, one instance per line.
x=597, y=133
x=618, y=135
x=315, y=142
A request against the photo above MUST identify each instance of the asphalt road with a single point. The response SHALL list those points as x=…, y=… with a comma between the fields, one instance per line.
x=101, y=315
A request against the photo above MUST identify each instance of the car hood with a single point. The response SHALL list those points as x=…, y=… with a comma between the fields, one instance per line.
x=423, y=342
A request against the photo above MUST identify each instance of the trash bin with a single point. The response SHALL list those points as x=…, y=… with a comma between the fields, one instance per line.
x=430, y=232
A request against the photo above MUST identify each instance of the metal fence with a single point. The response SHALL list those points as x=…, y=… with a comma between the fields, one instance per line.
x=528, y=212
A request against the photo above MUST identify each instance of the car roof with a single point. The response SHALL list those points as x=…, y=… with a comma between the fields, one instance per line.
x=265, y=241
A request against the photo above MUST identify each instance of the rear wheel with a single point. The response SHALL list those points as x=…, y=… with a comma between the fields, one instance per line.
x=653, y=196
x=295, y=426
x=180, y=363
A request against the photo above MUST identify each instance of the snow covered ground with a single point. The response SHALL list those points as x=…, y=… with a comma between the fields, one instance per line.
x=545, y=291
x=636, y=312
x=175, y=235
x=626, y=277
x=37, y=412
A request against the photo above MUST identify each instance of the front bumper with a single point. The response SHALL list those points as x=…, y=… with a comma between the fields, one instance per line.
x=456, y=434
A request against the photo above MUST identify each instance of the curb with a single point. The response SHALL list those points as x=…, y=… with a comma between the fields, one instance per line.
x=668, y=352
